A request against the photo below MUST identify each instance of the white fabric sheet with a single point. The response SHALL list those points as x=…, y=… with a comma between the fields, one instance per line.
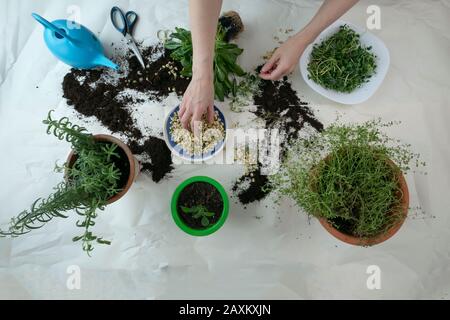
x=282, y=255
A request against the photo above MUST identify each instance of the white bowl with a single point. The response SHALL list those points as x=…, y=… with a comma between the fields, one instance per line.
x=367, y=90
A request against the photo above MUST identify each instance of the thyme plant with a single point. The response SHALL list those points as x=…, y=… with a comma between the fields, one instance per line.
x=344, y=175
x=90, y=182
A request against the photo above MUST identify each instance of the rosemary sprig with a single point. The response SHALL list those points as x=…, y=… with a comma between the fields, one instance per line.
x=91, y=181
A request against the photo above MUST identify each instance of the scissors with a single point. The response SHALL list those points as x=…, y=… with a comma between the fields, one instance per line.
x=125, y=23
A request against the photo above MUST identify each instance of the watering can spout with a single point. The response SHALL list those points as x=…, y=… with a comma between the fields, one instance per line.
x=101, y=60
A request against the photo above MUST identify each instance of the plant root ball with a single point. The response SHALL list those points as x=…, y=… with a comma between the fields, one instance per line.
x=232, y=22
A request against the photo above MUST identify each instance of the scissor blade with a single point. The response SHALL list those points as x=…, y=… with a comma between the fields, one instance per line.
x=135, y=49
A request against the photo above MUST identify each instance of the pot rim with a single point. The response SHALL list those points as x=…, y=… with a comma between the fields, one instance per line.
x=371, y=241
x=182, y=225
x=131, y=159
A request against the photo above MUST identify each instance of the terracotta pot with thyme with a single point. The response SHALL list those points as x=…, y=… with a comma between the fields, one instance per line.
x=351, y=178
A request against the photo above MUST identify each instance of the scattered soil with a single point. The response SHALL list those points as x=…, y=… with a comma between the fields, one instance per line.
x=91, y=95
x=200, y=194
x=156, y=80
x=281, y=108
x=279, y=105
x=100, y=102
x=252, y=187
x=161, y=159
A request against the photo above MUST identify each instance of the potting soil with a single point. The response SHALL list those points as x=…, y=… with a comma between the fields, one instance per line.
x=200, y=194
x=91, y=95
x=280, y=107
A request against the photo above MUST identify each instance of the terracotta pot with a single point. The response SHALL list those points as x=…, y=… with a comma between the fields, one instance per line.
x=403, y=196
x=134, y=163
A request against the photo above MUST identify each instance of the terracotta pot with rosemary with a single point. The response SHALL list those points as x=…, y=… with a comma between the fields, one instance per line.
x=200, y=206
x=99, y=171
x=351, y=178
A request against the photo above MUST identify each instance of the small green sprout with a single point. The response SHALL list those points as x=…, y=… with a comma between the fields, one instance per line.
x=200, y=212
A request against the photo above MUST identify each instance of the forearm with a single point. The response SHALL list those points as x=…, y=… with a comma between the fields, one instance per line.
x=329, y=12
x=204, y=16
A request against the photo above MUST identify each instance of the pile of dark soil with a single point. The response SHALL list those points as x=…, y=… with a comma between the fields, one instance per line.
x=100, y=102
x=280, y=107
x=156, y=80
x=161, y=159
x=200, y=194
x=90, y=95
x=252, y=187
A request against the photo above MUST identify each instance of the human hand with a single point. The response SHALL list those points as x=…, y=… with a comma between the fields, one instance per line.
x=197, y=101
x=285, y=58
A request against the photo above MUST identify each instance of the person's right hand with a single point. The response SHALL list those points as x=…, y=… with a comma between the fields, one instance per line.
x=197, y=101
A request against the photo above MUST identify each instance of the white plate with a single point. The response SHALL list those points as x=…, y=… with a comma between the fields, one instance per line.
x=367, y=90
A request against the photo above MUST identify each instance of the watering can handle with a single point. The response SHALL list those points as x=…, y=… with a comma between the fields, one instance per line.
x=50, y=26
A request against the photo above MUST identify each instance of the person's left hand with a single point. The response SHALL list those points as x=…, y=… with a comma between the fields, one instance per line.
x=285, y=59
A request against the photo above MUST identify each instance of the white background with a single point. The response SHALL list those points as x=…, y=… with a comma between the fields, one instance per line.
x=282, y=255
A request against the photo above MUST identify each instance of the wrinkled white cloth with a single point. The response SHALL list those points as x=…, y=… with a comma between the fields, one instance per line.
x=264, y=252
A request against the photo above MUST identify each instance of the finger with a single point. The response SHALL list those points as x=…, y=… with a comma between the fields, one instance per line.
x=196, y=122
x=276, y=74
x=211, y=114
x=185, y=120
x=182, y=111
x=183, y=106
x=270, y=64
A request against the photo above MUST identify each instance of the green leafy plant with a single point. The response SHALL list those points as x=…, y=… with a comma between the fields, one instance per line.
x=341, y=63
x=226, y=68
x=200, y=212
x=245, y=91
x=345, y=175
x=90, y=182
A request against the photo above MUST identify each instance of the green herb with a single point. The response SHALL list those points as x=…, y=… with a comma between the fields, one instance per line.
x=341, y=63
x=226, y=68
x=200, y=212
x=91, y=181
x=244, y=92
x=344, y=175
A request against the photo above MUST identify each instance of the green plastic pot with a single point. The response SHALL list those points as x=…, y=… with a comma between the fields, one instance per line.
x=210, y=230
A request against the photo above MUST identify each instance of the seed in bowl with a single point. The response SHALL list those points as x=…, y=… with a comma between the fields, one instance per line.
x=210, y=134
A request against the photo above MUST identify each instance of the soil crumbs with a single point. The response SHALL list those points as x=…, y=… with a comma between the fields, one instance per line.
x=278, y=104
x=99, y=94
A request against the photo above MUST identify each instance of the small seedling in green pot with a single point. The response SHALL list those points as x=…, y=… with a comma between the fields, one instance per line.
x=199, y=212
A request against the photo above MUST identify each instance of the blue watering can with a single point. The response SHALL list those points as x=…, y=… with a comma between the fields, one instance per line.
x=76, y=46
